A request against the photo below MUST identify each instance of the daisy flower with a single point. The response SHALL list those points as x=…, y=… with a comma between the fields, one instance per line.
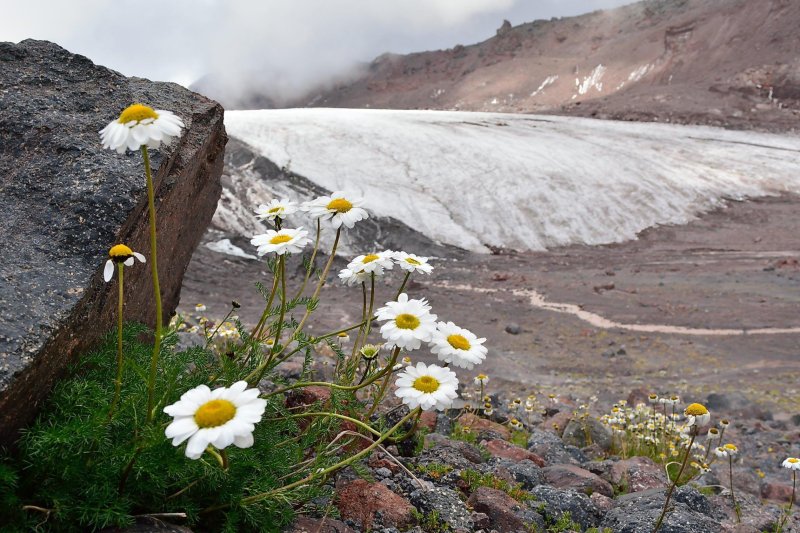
x=409, y=323
x=652, y=398
x=140, y=125
x=515, y=424
x=457, y=346
x=342, y=337
x=413, y=263
x=199, y=308
x=374, y=263
x=721, y=452
x=281, y=242
x=428, y=387
x=337, y=209
x=731, y=449
x=481, y=379
x=793, y=463
x=221, y=417
x=276, y=209
x=370, y=351
x=350, y=278
x=120, y=254
x=697, y=415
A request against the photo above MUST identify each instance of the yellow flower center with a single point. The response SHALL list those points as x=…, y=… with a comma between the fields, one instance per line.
x=120, y=250
x=137, y=113
x=481, y=377
x=426, y=384
x=406, y=321
x=214, y=413
x=696, y=409
x=280, y=239
x=731, y=447
x=370, y=258
x=340, y=205
x=458, y=342
x=413, y=261
x=793, y=460
x=342, y=334
x=275, y=209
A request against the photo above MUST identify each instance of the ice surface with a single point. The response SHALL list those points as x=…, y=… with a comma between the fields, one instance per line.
x=521, y=181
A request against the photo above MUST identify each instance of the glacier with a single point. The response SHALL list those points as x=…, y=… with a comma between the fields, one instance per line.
x=480, y=181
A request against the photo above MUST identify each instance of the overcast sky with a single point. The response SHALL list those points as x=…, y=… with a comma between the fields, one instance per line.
x=304, y=40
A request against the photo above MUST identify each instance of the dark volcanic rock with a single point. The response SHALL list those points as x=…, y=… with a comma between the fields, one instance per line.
x=638, y=512
x=555, y=503
x=66, y=201
x=445, y=502
x=504, y=512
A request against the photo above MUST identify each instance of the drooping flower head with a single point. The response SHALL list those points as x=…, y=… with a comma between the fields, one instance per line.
x=283, y=241
x=409, y=323
x=140, y=125
x=413, y=263
x=697, y=415
x=276, y=209
x=221, y=417
x=457, y=346
x=338, y=209
x=342, y=337
x=120, y=254
x=350, y=278
x=652, y=398
x=427, y=386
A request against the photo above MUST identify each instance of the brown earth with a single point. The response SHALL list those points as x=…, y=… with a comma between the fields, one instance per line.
x=733, y=268
x=730, y=63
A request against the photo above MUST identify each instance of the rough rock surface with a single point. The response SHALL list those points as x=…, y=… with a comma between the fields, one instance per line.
x=66, y=201
x=367, y=503
x=504, y=512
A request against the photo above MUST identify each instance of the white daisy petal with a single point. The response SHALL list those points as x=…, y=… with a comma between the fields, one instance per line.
x=108, y=271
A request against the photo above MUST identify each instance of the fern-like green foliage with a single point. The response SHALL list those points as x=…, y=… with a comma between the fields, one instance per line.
x=76, y=470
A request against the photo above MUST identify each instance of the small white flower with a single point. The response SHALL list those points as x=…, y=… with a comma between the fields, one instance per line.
x=457, y=346
x=276, y=209
x=337, y=209
x=221, y=417
x=350, y=278
x=140, y=125
x=792, y=463
x=374, y=263
x=720, y=452
x=413, y=263
x=409, y=323
x=120, y=254
x=515, y=424
x=481, y=379
x=342, y=337
x=697, y=415
x=652, y=398
x=281, y=242
x=199, y=308
x=428, y=387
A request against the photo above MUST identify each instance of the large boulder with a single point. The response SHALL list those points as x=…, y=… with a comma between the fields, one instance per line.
x=66, y=201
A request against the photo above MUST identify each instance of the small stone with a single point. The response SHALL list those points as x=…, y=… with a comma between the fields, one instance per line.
x=304, y=524
x=637, y=474
x=478, y=424
x=446, y=503
x=504, y=512
x=513, y=329
x=550, y=448
x=776, y=492
x=505, y=450
x=581, y=433
x=362, y=501
x=554, y=503
x=567, y=476
x=383, y=472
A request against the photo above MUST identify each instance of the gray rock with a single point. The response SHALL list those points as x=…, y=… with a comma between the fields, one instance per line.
x=582, y=433
x=638, y=513
x=552, y=449
x=66, y=201
x=524, y=472
x=455, y=453
x=553, y=503
x=446, y=502
x=513, y=329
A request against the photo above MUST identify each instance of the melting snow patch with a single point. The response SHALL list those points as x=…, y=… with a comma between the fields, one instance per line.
x=592, y=80
x=225, y=246
x=549, y=80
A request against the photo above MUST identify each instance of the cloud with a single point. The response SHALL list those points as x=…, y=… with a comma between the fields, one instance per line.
x=290, y=43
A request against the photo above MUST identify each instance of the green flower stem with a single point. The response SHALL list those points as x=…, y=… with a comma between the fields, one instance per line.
x=281, y=316
x=151, y=382
x=733, y=496
x=791, y=503
x=221, y=457
x=310, y=262
x=214, y=333
x=384, y=385
x=334, y=415
x=262, y=367
x=118, y=381
x=363, y=453
x=402, y=285
x=677, y=478
x=257, y=330
x=407, y=434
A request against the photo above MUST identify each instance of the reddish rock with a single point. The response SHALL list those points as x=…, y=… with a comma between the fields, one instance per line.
x=381, y=460
x=506, y=450
x=478, y=424
x=360, y=500
x=318, y=525
x=428, y=421
x=307, y=396
x=638, y=396
x=604, y=503
x=557, y=422
x=638, y=473
x=776, y=491
x=574, y=477
x=499, y=507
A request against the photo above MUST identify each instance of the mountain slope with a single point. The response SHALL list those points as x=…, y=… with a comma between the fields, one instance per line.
x=480, y=181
